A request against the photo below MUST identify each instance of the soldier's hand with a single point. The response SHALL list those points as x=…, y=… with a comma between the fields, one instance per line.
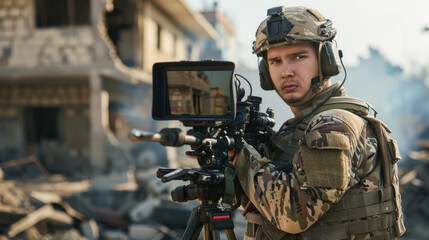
x=233, y=154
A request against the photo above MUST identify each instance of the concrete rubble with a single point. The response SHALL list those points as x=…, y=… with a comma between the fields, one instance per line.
x=414, y=180
x=119, y=206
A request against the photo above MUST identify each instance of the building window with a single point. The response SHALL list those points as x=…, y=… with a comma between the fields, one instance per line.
x=159, y=29
x=54, y=13
x=41, y=124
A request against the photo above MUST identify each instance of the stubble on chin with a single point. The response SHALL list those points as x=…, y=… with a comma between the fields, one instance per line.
x=291, y=100
x=288, y=99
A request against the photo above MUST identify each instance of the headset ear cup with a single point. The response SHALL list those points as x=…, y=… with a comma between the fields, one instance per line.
x=264, y=76
x=330, y=58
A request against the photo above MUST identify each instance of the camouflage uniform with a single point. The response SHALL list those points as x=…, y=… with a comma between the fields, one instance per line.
x=314, y=166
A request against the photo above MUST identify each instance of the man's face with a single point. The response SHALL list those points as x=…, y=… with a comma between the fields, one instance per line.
x=291, y=68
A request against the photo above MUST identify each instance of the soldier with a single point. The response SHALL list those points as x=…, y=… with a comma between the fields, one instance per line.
x=330, y=172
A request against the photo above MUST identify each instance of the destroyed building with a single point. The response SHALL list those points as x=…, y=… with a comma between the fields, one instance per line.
x=75, y=76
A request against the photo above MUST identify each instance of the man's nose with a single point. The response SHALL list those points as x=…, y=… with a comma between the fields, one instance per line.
x=287, y=70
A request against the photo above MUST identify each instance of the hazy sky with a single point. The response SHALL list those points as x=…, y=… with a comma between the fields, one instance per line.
x=392, y=26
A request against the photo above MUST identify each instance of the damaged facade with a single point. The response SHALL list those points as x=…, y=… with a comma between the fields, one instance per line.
x=75, y=76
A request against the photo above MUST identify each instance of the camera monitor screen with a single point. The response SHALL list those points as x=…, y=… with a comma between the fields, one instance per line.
x=193, y=91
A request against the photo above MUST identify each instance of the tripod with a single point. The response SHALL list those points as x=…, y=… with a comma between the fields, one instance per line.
x=207, y=186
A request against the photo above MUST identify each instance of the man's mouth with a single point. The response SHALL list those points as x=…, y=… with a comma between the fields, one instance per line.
x=290, y=87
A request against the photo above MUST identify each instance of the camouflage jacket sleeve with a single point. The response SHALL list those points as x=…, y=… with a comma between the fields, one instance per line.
x=325, y=167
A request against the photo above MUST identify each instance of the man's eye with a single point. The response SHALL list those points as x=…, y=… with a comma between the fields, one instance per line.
x=274, y=62
x=301, y=57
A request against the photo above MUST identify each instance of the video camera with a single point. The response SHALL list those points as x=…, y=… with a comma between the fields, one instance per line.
x=204, y=95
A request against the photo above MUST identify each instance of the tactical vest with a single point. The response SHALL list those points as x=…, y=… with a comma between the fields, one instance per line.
x=381, y=207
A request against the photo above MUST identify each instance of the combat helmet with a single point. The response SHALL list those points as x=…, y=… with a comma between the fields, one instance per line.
x=286, y=26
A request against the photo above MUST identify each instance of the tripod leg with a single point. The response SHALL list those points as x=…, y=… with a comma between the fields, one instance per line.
x=210, y=233
x=193, y=227
x=230, y=234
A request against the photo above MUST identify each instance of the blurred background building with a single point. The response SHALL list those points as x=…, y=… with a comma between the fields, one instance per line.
x=75, y=76
x=224, y=46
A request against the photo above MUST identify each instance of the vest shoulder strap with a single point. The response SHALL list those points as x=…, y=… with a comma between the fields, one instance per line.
x=354, y=105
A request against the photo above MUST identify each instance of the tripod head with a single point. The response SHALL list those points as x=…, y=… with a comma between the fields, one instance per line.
x=206, y=184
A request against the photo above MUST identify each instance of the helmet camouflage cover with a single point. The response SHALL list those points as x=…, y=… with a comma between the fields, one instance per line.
x=285, y=26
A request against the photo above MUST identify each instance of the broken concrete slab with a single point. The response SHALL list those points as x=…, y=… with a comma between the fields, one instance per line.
x=45, y=197
x=53, y=198
x=56, y=183
x=90, y=229
x=46, y=212
x=12, y=196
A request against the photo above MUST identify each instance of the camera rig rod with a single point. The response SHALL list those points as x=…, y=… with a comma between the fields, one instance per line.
x=167, y=137
x=175, y=137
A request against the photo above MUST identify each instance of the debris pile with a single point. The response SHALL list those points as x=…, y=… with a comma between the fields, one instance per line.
x=414, y=181
x=25, y=215
x=134, y=205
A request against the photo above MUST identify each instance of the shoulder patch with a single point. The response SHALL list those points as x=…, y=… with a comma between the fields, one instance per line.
x=325, y=167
